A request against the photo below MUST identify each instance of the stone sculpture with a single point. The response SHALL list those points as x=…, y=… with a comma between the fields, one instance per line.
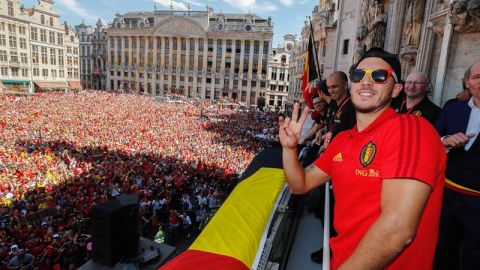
x=372, y=29
x=465, y=15
x=413, y=22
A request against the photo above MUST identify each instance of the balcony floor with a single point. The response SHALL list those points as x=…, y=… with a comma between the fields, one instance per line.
x=309, y=238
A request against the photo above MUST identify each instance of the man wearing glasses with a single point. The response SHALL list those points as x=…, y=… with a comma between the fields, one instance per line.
x=387, y=174
x=416, y=101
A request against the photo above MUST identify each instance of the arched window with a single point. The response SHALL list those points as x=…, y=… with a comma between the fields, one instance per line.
x=51, y=21
x=42, y=19
x=284, y=59
x=10, y=9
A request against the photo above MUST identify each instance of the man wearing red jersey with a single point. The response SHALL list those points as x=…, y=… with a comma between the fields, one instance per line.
x=387, y=174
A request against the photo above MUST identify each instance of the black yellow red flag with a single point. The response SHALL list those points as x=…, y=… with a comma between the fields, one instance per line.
x=310, y=71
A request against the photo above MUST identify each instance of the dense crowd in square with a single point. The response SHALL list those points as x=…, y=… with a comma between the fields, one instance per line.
x=61, y=153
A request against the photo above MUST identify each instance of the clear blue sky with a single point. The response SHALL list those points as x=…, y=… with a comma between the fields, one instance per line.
x=287, y=15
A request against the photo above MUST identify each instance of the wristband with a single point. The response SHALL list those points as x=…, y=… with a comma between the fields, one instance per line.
x=447, y=148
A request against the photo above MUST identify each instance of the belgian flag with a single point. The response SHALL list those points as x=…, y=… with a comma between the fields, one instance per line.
x=234, y=238
x=310, y=71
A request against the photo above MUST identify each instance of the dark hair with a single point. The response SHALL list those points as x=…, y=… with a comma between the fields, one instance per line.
x=322, y=85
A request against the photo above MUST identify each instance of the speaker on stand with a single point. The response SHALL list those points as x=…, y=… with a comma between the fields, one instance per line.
x=115, y=230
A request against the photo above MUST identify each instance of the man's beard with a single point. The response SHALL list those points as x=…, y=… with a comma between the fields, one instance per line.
x=382, y=103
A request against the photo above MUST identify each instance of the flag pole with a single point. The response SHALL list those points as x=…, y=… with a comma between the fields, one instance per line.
x=326, y=217
x=317, y=66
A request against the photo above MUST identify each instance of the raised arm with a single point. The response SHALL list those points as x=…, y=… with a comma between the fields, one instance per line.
x=299, y=180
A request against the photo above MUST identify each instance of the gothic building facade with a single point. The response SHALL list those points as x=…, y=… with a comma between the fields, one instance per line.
x=436, y=37
x=278, y=73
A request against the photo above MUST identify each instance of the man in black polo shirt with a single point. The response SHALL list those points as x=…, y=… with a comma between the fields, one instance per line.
x=416, y=101
x=342, y=117
x=342, y=110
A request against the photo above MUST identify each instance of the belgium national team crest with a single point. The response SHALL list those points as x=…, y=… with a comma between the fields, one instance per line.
x=368, y=153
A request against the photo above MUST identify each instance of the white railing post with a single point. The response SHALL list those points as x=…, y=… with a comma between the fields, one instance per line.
x=326, y=229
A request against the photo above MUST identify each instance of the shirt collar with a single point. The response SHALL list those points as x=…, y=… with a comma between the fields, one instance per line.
x=387, y=114
x=472, y=104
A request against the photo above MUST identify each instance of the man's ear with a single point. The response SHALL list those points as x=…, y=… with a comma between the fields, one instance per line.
x=396, y=89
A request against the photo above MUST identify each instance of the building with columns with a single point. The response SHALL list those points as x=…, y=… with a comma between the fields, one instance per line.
x=33, y=48
x=278, y=73
x=15, y=51
x=194, y=53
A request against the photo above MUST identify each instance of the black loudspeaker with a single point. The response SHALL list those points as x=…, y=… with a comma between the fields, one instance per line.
x=115, y=230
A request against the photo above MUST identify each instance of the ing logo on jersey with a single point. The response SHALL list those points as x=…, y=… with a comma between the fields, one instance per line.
x=368, y=154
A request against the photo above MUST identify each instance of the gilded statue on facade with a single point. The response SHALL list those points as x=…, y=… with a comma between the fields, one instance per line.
x=325, y=4
x=413, y=22
x=437, y=27
x=465, y=15
x=362, y=31
x=372, y=29
x=376, y=27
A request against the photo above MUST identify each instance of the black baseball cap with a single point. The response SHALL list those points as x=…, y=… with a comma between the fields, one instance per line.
x=389, y=58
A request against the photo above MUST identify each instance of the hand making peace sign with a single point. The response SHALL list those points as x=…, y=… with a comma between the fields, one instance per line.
x=291, y=129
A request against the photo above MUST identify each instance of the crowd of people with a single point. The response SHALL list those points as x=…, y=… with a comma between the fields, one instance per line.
x=61, y=153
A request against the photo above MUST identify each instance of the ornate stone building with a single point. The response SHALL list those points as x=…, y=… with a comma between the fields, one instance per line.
x=33, y=45
x=437, y=37
x=195, y=53
x=99, y=56
x=15, y=53
x=85, y=35
x=323, y=20
x=72, y=46
x=278, y=73
x=297, y=66
x=324, y=35
x=93, y=55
